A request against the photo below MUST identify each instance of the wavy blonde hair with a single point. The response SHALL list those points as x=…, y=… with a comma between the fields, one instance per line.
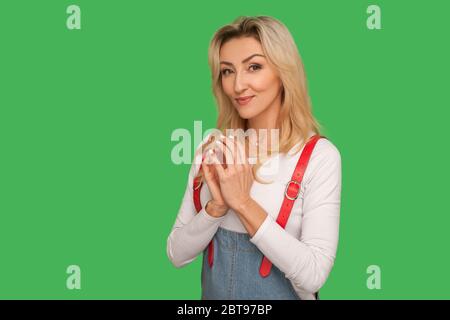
x=295, y=120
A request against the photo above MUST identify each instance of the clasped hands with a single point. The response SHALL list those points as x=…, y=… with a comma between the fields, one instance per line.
x=229, y=177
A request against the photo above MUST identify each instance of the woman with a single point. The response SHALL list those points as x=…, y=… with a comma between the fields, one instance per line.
x=259, y=83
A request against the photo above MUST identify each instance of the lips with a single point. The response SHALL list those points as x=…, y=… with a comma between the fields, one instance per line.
x=244, y=100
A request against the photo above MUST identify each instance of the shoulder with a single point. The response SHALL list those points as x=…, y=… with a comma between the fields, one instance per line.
x=325, y=160
x=325, y=149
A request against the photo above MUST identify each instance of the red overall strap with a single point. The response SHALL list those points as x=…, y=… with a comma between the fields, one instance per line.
x=197, y=186
x=290, y=194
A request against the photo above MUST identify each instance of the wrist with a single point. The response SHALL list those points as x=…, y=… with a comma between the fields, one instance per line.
x=244, y=206
x=215, y=210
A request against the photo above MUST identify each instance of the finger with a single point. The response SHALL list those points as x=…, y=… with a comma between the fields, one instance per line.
x=236, y=153
x=211, y=171
x=206, y=146
x=206, y=170
x=241, y=151
x=220, y=170
x=212, y=183
x=208, y=156
x=222, y=152
x=251, y=148
x=230, y=150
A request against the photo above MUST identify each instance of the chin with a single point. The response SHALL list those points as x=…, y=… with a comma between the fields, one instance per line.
x=246, y=114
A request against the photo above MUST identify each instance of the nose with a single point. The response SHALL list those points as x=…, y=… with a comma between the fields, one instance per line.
x=240, y=82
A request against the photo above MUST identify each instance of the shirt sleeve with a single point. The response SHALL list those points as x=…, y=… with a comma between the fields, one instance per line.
x=307, y=261
x=191, y=232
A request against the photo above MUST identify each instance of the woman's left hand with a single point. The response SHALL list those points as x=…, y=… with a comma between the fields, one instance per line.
x=237, y=178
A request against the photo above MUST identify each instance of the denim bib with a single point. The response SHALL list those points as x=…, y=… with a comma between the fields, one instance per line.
x=235, y=272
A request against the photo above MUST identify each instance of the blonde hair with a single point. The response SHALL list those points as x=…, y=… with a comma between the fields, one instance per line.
x=295, y=120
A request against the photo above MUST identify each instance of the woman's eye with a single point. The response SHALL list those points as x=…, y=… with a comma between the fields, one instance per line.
x=224, y=71
x=257, y=66
x=253, y=67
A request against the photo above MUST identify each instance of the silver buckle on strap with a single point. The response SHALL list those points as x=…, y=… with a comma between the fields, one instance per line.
x=287, y=187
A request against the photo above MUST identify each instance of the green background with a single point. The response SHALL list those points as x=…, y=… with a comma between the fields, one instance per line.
x=86, y=118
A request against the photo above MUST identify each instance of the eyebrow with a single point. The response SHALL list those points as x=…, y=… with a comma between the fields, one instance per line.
x=245, y=60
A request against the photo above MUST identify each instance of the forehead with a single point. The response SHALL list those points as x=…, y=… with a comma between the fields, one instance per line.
x=237, y=49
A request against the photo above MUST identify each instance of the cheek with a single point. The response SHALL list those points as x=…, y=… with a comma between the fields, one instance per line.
x=227, y=86
x=265, y=82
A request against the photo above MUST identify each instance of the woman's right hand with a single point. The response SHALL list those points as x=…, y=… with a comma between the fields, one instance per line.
x=215, y=207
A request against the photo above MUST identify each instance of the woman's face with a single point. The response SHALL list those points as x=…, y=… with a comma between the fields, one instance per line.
x=247, y=73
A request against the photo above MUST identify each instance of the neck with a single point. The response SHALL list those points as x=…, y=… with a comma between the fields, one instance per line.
x=267, y=119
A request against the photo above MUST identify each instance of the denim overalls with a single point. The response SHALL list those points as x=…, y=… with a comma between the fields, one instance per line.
x=235, y=272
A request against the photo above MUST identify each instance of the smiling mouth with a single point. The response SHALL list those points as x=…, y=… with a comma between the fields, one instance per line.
x=244, y=101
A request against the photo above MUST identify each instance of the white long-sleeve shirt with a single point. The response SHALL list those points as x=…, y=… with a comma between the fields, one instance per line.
x=306, y=249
